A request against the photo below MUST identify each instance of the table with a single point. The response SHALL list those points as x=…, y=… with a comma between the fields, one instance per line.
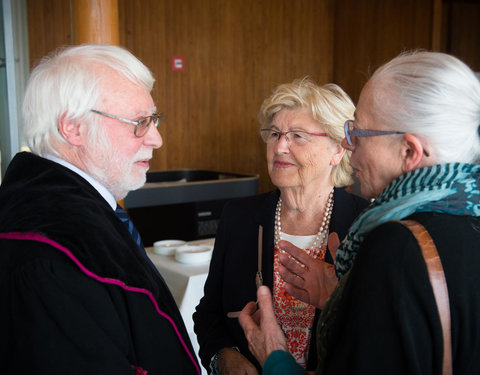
x=186, y=283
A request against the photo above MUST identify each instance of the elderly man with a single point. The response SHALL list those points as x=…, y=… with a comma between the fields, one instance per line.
x=79, y=295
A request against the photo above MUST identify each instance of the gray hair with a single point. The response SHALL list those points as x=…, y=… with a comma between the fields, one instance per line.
x=67, y=83
x=329, y=105
x=435, y=96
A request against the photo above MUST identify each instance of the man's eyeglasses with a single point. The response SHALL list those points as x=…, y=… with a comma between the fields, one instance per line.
x=350, y=132
x=297, y=137
x=141, y=125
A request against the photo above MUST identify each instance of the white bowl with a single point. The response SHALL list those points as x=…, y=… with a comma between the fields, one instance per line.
x=167, y=247
x=193, y=254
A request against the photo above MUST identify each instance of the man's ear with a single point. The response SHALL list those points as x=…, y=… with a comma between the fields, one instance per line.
x=338, y=153
x=412, y=153
x=71, y=130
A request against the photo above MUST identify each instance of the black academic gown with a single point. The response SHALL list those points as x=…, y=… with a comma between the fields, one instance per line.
x=77, y=295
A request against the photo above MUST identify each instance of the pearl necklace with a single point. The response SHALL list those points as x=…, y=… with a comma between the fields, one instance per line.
x=322, y=233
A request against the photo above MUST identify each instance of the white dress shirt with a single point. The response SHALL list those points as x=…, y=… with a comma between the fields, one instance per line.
x=103, y=191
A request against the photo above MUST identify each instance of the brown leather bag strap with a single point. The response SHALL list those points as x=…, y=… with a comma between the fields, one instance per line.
x=439, y=285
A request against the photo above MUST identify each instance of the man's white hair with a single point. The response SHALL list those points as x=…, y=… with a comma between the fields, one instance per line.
x=67, y=83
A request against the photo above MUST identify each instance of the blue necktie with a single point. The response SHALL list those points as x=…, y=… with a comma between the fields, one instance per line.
x=122, y=215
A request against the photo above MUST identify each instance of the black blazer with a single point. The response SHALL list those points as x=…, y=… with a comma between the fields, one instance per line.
x=231, y=281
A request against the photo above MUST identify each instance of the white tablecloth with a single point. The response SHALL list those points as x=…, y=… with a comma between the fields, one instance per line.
x=186, y=283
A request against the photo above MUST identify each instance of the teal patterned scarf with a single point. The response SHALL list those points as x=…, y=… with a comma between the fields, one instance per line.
x=446, y=188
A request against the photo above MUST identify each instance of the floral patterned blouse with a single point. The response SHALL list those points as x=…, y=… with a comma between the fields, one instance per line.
x=294, y=316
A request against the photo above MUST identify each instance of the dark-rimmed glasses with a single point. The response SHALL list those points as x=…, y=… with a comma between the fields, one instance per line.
x=350, y=132
x=297, y=137
x=141, y=125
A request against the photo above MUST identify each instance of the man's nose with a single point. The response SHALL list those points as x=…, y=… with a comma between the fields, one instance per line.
x=153, y=138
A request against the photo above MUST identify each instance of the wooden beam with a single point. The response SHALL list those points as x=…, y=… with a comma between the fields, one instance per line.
x=95, y=21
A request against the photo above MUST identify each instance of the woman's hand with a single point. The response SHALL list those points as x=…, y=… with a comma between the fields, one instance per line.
x=312, y=281
x=232, y=362
x=260, y=326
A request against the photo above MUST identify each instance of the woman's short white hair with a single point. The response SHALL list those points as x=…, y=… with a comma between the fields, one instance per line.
x=67, y=83
x=435, y=96
x=329, y=105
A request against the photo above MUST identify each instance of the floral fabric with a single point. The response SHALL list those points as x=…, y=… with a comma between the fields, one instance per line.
x=294, y=316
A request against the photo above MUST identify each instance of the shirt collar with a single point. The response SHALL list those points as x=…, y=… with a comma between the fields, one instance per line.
x=102, y=190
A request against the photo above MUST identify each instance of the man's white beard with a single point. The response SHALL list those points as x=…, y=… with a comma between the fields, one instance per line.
x=108, y=166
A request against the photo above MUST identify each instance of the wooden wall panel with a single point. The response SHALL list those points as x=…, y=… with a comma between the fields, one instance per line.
x=462, y=30
x=371, y=32
x=49, y=27
x=235, y=53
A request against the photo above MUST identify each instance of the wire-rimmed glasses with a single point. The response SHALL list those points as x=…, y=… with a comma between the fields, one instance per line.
x=297, y=137
x=141, y=125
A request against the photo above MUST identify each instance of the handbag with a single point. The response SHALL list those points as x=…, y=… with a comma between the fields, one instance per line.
x=439, y=286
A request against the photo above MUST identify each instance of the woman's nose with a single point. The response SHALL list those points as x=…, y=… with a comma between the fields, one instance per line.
x=283, y=144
